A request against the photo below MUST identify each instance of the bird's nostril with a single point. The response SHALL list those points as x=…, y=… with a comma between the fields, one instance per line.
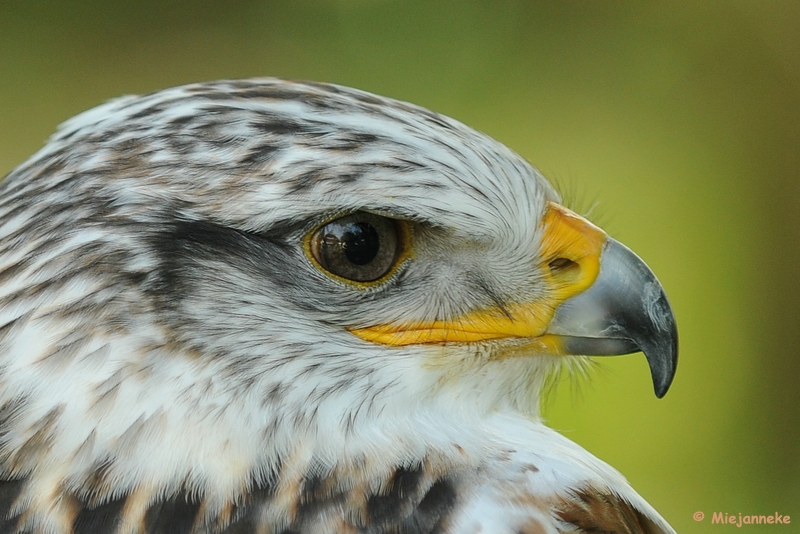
x=564, y=269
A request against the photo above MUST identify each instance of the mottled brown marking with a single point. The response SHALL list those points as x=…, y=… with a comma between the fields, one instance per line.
x=355, y=507
x=408, y=500
x=132, y=520
x=532, y=526
x=593, y=510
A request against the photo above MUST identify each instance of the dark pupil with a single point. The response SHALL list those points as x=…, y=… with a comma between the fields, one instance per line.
x=360, y=243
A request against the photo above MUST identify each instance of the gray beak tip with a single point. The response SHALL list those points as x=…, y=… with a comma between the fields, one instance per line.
x=663, y=361
x=657, y=336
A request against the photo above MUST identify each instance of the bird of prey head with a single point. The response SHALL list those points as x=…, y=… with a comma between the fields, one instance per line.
x=263, y=306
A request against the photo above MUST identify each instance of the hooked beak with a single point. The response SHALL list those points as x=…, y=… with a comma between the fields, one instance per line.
x=624, y=311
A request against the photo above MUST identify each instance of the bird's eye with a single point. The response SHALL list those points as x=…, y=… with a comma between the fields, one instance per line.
x=360, y=247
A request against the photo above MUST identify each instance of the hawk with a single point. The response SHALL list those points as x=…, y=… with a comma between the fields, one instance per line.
x=263, y=306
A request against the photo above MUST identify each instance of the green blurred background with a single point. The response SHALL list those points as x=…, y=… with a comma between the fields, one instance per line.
x=675, y=124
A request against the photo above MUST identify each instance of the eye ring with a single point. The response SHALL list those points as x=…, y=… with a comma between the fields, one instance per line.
x=361, y=248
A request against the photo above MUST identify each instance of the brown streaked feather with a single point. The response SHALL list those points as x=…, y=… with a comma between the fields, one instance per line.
x=24, y=459
x=411, y=500
x=591, y=510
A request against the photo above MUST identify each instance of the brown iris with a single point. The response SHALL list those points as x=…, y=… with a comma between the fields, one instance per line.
x=361, y=247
